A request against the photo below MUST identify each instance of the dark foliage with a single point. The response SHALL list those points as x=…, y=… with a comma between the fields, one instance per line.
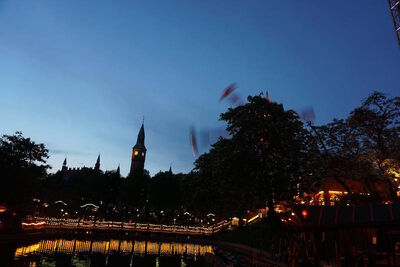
x=22, y=165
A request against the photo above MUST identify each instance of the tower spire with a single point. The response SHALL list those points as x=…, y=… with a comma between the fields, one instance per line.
x=141, y=136
x=139, y=152
x=97, y=165
x=64, y=166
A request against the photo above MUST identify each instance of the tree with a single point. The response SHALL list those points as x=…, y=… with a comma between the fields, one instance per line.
x=274, y=146
x=135, y=189
x=22, y=165
x=165, y=192
x=378, y=123
x=220, y=184
x=341, y=154
x=365, y=146
x=200, y=188
x=266, y=158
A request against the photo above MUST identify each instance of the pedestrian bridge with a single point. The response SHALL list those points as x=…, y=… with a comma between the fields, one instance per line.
x=77, y=224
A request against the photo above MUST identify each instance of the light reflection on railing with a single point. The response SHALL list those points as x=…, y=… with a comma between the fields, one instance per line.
x=27, y=250
x=111, y=225
x=64, y=246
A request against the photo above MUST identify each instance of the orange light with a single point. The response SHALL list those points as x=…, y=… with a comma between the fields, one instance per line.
x=304, y=214
x=3, y=209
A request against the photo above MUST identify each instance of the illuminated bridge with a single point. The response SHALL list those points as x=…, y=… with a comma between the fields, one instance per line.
x=76, y=224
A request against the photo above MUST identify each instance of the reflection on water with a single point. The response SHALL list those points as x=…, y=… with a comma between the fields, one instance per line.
x=63, y=252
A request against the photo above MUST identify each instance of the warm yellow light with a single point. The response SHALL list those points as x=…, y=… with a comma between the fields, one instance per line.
x=33, y=223
x=252, y=219
x=142, y=154
x=235, y=221
x=26, y=250
x=333, y=192
x=136, y=152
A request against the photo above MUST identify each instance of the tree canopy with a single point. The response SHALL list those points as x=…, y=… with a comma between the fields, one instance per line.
x=22, y=165
x=264, y=160
x=365, y=146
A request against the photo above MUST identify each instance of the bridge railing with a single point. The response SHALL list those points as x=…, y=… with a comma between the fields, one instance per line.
x=56, y=223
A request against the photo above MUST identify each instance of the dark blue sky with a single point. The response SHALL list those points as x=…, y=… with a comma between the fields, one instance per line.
x=79, y=75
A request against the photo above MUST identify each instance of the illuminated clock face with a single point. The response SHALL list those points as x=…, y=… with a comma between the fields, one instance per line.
x=136, y=152
x=142, y=154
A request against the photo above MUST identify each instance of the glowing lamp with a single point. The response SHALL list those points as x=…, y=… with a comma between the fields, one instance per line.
x=304, y=214
x=3, y=209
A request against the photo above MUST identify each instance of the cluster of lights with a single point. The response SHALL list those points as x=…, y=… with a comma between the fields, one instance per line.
x=293, y=218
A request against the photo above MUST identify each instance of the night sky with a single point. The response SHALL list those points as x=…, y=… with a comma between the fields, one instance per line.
x=80, y=75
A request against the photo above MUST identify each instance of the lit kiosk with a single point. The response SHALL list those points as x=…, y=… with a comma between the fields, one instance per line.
x=138, y=154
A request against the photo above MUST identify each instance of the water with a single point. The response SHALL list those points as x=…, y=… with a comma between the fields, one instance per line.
x=73, y=252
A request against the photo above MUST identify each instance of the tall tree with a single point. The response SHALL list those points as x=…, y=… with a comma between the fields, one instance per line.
x=266, y=158
x=365, y=146
x=378, y=122
x=274, y=146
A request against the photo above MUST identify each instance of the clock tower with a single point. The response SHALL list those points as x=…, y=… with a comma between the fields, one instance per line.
x=138, y=153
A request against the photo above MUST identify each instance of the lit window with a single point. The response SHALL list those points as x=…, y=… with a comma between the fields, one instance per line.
x=142, y=154
x=136, y=152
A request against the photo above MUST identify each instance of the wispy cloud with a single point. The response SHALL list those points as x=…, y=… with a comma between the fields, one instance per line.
x=69, y=152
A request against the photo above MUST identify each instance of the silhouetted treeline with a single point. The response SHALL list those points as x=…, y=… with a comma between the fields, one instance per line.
x=272, y=155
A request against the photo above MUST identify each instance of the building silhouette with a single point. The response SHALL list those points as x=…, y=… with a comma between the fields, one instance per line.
x=69, y=172
x=96, y=167
x=137, y=160
x=138, y=153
